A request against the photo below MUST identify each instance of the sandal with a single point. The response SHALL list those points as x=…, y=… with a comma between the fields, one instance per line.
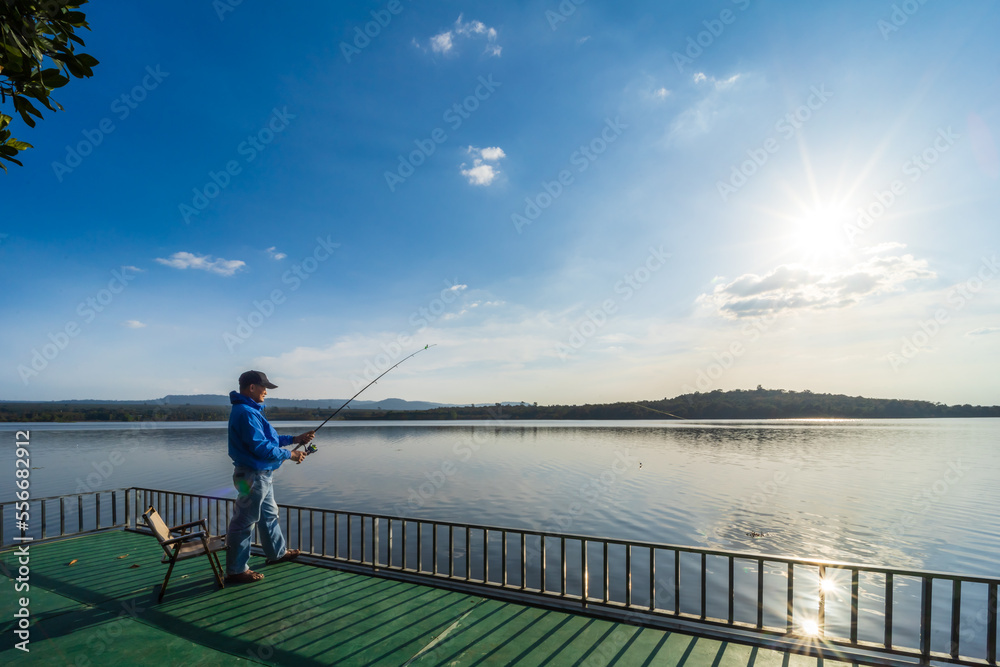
x=290, y=554
x=247, y=577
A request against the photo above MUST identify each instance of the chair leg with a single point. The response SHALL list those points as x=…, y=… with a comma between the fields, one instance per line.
x=222, y=573
x=213, y=561
x=163, y=589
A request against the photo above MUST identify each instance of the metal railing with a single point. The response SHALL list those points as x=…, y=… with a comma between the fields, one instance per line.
x=812, y=605
x=78, y=514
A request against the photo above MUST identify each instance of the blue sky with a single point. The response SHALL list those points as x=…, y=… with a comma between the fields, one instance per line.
x=576, y=202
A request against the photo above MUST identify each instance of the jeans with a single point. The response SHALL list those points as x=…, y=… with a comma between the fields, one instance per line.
x=254, y=505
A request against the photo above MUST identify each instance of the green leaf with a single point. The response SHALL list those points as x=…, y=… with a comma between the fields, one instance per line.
x=22, y=105
x=53, y=78
x=7, y=157
x=19, y=145
x=76, y=69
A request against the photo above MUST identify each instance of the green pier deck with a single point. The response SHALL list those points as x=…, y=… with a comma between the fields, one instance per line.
x=102, y=610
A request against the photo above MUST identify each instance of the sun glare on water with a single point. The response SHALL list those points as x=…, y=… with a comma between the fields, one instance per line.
x=810, y=628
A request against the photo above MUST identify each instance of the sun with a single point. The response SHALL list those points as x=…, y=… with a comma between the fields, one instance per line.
x=818, y=234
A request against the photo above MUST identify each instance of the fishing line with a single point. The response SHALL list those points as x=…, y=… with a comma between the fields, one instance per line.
x=311, y=448
x=659, y=411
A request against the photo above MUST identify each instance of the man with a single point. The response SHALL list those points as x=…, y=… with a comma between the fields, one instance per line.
x=256, y=451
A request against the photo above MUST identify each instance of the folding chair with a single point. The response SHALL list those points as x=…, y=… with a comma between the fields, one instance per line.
x=179, y=544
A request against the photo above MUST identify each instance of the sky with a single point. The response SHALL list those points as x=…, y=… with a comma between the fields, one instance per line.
x=574, y=202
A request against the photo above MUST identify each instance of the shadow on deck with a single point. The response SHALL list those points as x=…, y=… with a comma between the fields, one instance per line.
x=102, y=611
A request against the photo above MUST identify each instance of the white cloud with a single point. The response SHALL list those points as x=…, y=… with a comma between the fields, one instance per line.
x=661, y=93
x=134, y=324
x=983, y=331
x=719, y=84
x=794, y=288
x=444, y=42
x=492, y=154
x=187, y=260
x=482, y=173
x=700, y=116
x=272, y=251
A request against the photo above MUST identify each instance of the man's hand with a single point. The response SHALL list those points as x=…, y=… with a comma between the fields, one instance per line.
x=298, y=456
x=304, y=439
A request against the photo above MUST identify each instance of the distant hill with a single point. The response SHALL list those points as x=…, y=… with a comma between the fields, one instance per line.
x=757, y=403
x=196, y=407
x=219, y=399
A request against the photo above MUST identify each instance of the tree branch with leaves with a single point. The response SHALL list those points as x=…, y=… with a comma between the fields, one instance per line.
x=37, y=55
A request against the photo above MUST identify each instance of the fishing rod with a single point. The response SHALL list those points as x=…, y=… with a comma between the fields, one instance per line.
x=311, y=448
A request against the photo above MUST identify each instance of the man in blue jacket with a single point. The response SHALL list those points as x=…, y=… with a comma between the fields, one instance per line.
x=256, y=451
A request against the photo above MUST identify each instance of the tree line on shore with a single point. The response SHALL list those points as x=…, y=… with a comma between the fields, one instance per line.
x=757, y=403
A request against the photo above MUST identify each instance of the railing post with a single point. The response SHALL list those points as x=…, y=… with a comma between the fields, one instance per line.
x=677, y=582
x=524, y=561
x=790, y=600
x=652, y=579
x=821, y=612
x=855, y=591
x=628, y=575
x=562, y=566
x=956, y=616
x=888, y=610
x=991, y=625
x=607, y=572
x=760, y=593
x=732, y=591
x=704, y=586
x=544, y=563
x=925, y=619
x=350, y=537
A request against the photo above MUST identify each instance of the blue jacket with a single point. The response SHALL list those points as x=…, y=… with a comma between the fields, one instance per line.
x=253, y=442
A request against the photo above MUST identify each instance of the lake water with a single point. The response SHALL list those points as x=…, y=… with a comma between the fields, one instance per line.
x=904, y=493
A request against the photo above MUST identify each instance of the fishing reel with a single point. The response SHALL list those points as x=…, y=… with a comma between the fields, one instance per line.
x=311, y=449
